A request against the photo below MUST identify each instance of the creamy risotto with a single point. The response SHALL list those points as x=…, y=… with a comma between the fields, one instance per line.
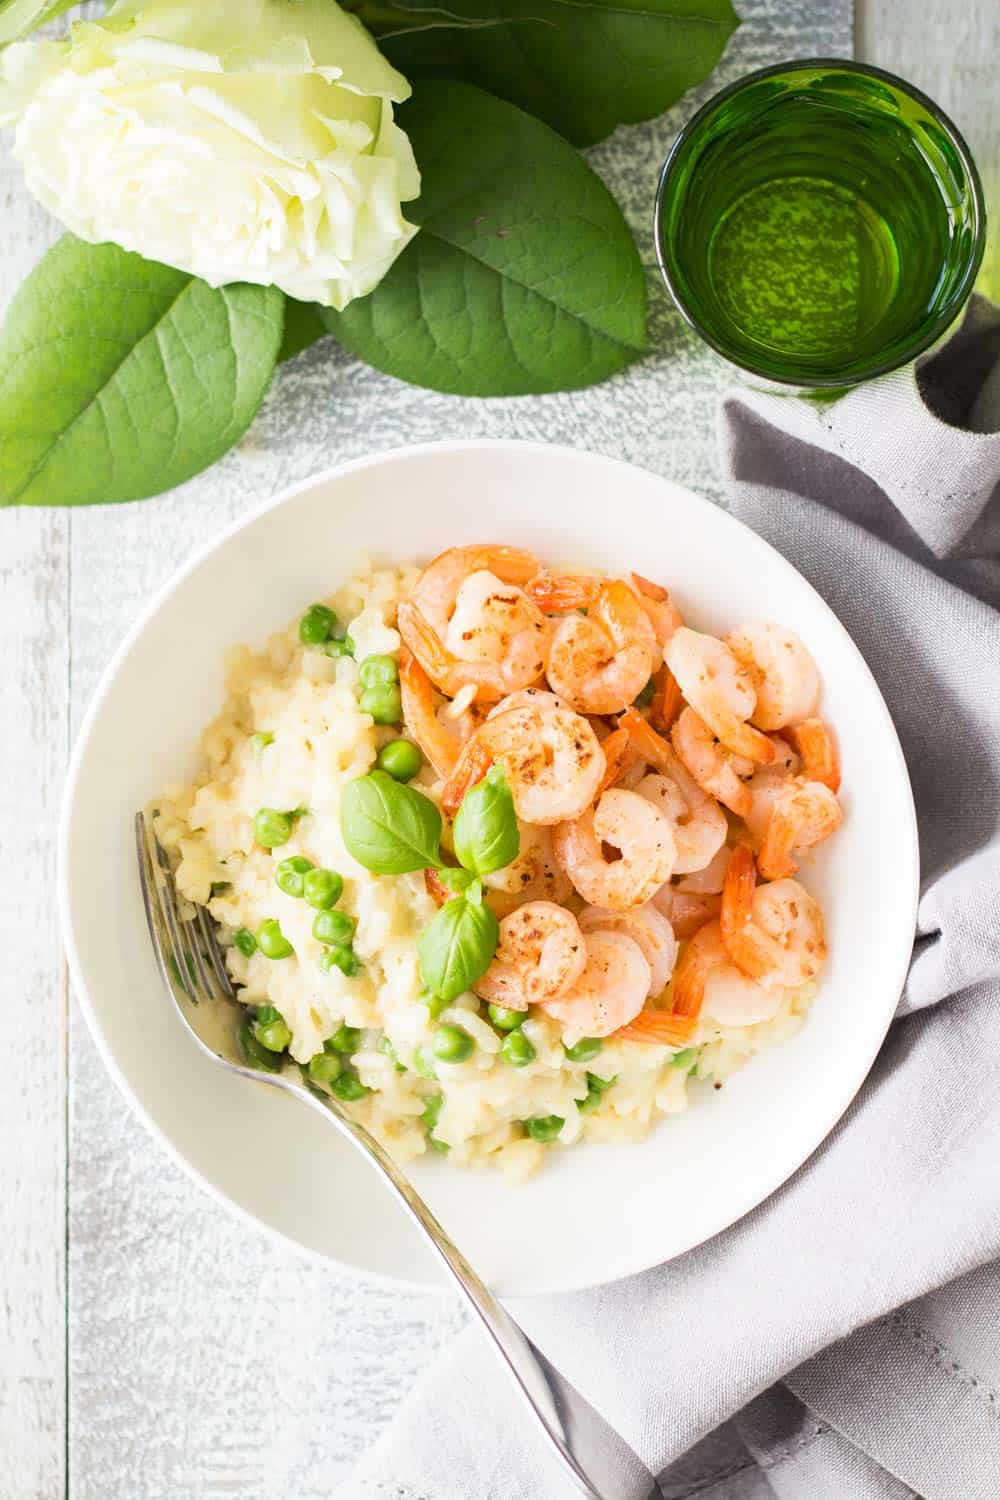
x=333, y=959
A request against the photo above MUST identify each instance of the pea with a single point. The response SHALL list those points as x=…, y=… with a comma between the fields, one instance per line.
x=324, y=1067
x=384, y=1045
x=348, y=1086
x=289, y=876
x=344, y=959
x=424, y=1063
x=645, y=698
x=589, y=1102
x=600, y=1085
x=585, y=1050
x=334, y=928
x=378, y=671
x=346, y=1039
x=340, y=648
x=260, y=741
x=517, y=1049
x=686, y=1058
x=271, y=827
x=437, y=1145
x=256, y=1055
x=435, y=1005
x=383, y=703
x=401, y=759
x=271, y=1029
x=245, y=941
x=272, y=941
x=504, y=1019
x=322, y=888
x=453, y=1044
x=432, y=1110
x=544, y=1128
x=317, y=625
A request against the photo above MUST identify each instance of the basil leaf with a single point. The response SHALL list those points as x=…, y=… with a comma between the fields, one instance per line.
x=389, y=827
x=458, y=881
x=457, y=946
x=524, y=277
x=122, y=377
x=582, y=66
x=486, y=836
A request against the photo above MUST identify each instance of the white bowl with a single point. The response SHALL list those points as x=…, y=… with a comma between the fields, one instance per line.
x=594, y=1213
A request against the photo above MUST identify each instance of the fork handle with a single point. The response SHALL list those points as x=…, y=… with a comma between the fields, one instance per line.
x=591, y=1453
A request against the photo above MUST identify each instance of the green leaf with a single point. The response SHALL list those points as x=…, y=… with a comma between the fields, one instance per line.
x=120, y=377
x=485, y=833
x=582, y=66
x=455, y=949
x=524, y=277
x=389, y=827
x=19, y=18
x=303, y=327
x=457, y=881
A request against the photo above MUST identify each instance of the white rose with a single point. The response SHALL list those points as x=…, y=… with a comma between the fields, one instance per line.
x=242, y=140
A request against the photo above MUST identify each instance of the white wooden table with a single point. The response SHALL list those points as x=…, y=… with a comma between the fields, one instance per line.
x=149, y=1345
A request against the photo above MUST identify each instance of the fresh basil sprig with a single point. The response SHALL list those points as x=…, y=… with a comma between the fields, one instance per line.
x=456, y=948
x=389, y=827
x=485, y=834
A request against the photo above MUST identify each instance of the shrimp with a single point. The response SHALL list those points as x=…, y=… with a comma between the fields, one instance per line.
x=533, y=876
x=630, y=824
x=804, y=813
x=611, y=990
x=540, y=954
x=708, y=984
x=709, y=880
x=686, y=911
x=783, y=673
x=659, y=1028
x=620, y=754
x=661, y=611
x=551, y=757
x=602, y=660
x=469, y=622
x=645, y=926
x=525, y=697
x=439, y=742
x=719, y=689
x=713, y=767
x=667, y=701
x=814, y=742
x=765, y=784
x=772, y=932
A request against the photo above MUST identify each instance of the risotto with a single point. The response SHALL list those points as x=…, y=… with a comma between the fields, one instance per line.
x=435, y=992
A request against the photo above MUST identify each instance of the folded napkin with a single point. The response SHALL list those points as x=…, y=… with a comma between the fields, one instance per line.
x=843, y=1341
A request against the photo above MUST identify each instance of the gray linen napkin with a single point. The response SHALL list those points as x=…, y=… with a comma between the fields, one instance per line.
x=843, y=1341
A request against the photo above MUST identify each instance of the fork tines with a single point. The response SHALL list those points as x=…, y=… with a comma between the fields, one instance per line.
x=183, y=935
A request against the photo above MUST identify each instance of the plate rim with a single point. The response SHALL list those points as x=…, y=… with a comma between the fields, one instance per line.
x=754, y=1198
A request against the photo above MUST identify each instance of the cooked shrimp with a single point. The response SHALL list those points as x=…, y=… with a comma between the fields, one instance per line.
x=709, y=880
x=713, y=767
x=658, y=1028
x=765, y=784
x=620, y=755
x=667, y=701
x=551, y=758
x=708, y=984
x=540, y=954
x=697, y=820
x=772, y=932
x=602, y=660
x=814, y=742
x=661, y=611
x=629, y=824
x=528, y=697
x=719, y=689
x=645, y=926
x=440, y=742
x=686, y=911
x=533, y=876
x=783, y=673
x=611, y=990
x=803, y=813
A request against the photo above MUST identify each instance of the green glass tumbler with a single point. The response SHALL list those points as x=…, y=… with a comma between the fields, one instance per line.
x=819, y=223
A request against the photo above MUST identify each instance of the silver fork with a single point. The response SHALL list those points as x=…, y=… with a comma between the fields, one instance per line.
x=590, y=1453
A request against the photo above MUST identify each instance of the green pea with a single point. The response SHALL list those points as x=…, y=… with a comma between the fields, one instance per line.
x=589, y=1102
x=384, y=1045
x=260, y=741
x=340, y=648
x=272, y=941
x=647, y=695
x=324, y=1067
x=271, y=827
x=453, y=1044
x=348, y=1086
x=504, y=1019
x=383, y=702
x=585, y=1050
x=423, y=1061
x=344, y=959
x=600, y=1085
x=271, y=1029
x=517, y=1049
x=437, y=1145
x=377, y=671
x=317, y=625
x=686, y=1058
x=245, y=941
x=289, y=876
x=256, y=1055
x=334, y=928
x=431, y=1111
x=346, y=1039
x=544, y=1128
x=435, y=1005
x=322, y=888
x=401, y=759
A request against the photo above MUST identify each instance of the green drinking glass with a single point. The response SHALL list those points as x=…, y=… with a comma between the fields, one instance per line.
x=819, y=223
